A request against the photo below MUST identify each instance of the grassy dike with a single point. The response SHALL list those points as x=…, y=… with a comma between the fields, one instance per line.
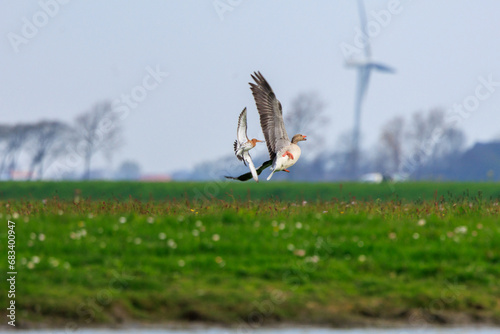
x=430, y=259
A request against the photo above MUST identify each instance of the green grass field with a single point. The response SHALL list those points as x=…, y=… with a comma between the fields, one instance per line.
x=246, y=254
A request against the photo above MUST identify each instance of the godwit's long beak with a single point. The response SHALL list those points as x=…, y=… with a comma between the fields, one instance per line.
x=260, y=141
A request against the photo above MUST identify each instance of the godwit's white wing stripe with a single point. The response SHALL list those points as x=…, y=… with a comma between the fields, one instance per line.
x=241, y=132
x=251, y=166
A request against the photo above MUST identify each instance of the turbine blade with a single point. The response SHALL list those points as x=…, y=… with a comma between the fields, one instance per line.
x=364, y=30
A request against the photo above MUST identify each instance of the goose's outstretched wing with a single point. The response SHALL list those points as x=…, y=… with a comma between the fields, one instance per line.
x=248, y=176
x=271, y=115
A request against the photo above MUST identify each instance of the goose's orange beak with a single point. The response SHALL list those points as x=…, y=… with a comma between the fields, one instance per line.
x=304, y=137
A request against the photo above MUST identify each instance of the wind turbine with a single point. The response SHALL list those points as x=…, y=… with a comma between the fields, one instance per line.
x=364, y=67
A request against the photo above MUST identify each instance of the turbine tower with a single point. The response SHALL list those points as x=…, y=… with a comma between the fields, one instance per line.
x=364, y=66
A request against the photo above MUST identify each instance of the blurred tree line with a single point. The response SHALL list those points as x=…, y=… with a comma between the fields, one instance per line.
x=33, y=147
x=425, y=145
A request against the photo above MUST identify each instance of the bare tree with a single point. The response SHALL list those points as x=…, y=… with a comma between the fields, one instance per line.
x=306, y=116
x=98, y=130
x=46, y=143
x=15, y=138
x=390, y=153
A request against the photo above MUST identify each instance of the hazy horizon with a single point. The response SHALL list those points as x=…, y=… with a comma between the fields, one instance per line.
x=193, y=61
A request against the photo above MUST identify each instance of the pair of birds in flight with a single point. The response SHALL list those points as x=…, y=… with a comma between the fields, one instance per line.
x=283, y=153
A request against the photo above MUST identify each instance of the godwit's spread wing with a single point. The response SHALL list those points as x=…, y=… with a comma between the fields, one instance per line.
x=271, y=115
x=248, y=159
x=241, y=132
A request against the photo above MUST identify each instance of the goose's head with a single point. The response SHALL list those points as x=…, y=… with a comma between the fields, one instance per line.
x=297, y=138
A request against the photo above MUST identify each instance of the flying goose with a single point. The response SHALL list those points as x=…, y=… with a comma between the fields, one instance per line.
x=283, y=153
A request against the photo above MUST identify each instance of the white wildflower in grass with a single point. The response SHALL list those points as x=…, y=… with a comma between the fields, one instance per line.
x=274, y=223
x=421, y=222
x=24, y=261
x=479, y=226
x=41, y=237
x=180, y=218
x=416, y=236
x=181, y=263
x=299, y=252
x=35, y=259
x=137, y=241
x=198, y=223
x=162, y=236
x=83, y=232
x=392, y=236
x=60, y=212
x=53, y=262
x=172, y=244
x=15, y=215
x=313, y=259
x=122, y=220
x=31, y=265
x=67, y=266
x=90, y=216
x=220, y=261
x=150, y=220
x=461, y=230
x=362, y=258
x=290, y=247
x=282, y=226
x=474, y=233
x=32, y=236
x=298, y=225
x=215, y=237
x=196, y=233
x=30, y=243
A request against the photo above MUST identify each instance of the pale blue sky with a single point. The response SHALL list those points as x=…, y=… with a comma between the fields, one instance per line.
x=95, y=50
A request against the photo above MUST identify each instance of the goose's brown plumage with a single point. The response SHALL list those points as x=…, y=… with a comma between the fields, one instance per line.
x=271, y=114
